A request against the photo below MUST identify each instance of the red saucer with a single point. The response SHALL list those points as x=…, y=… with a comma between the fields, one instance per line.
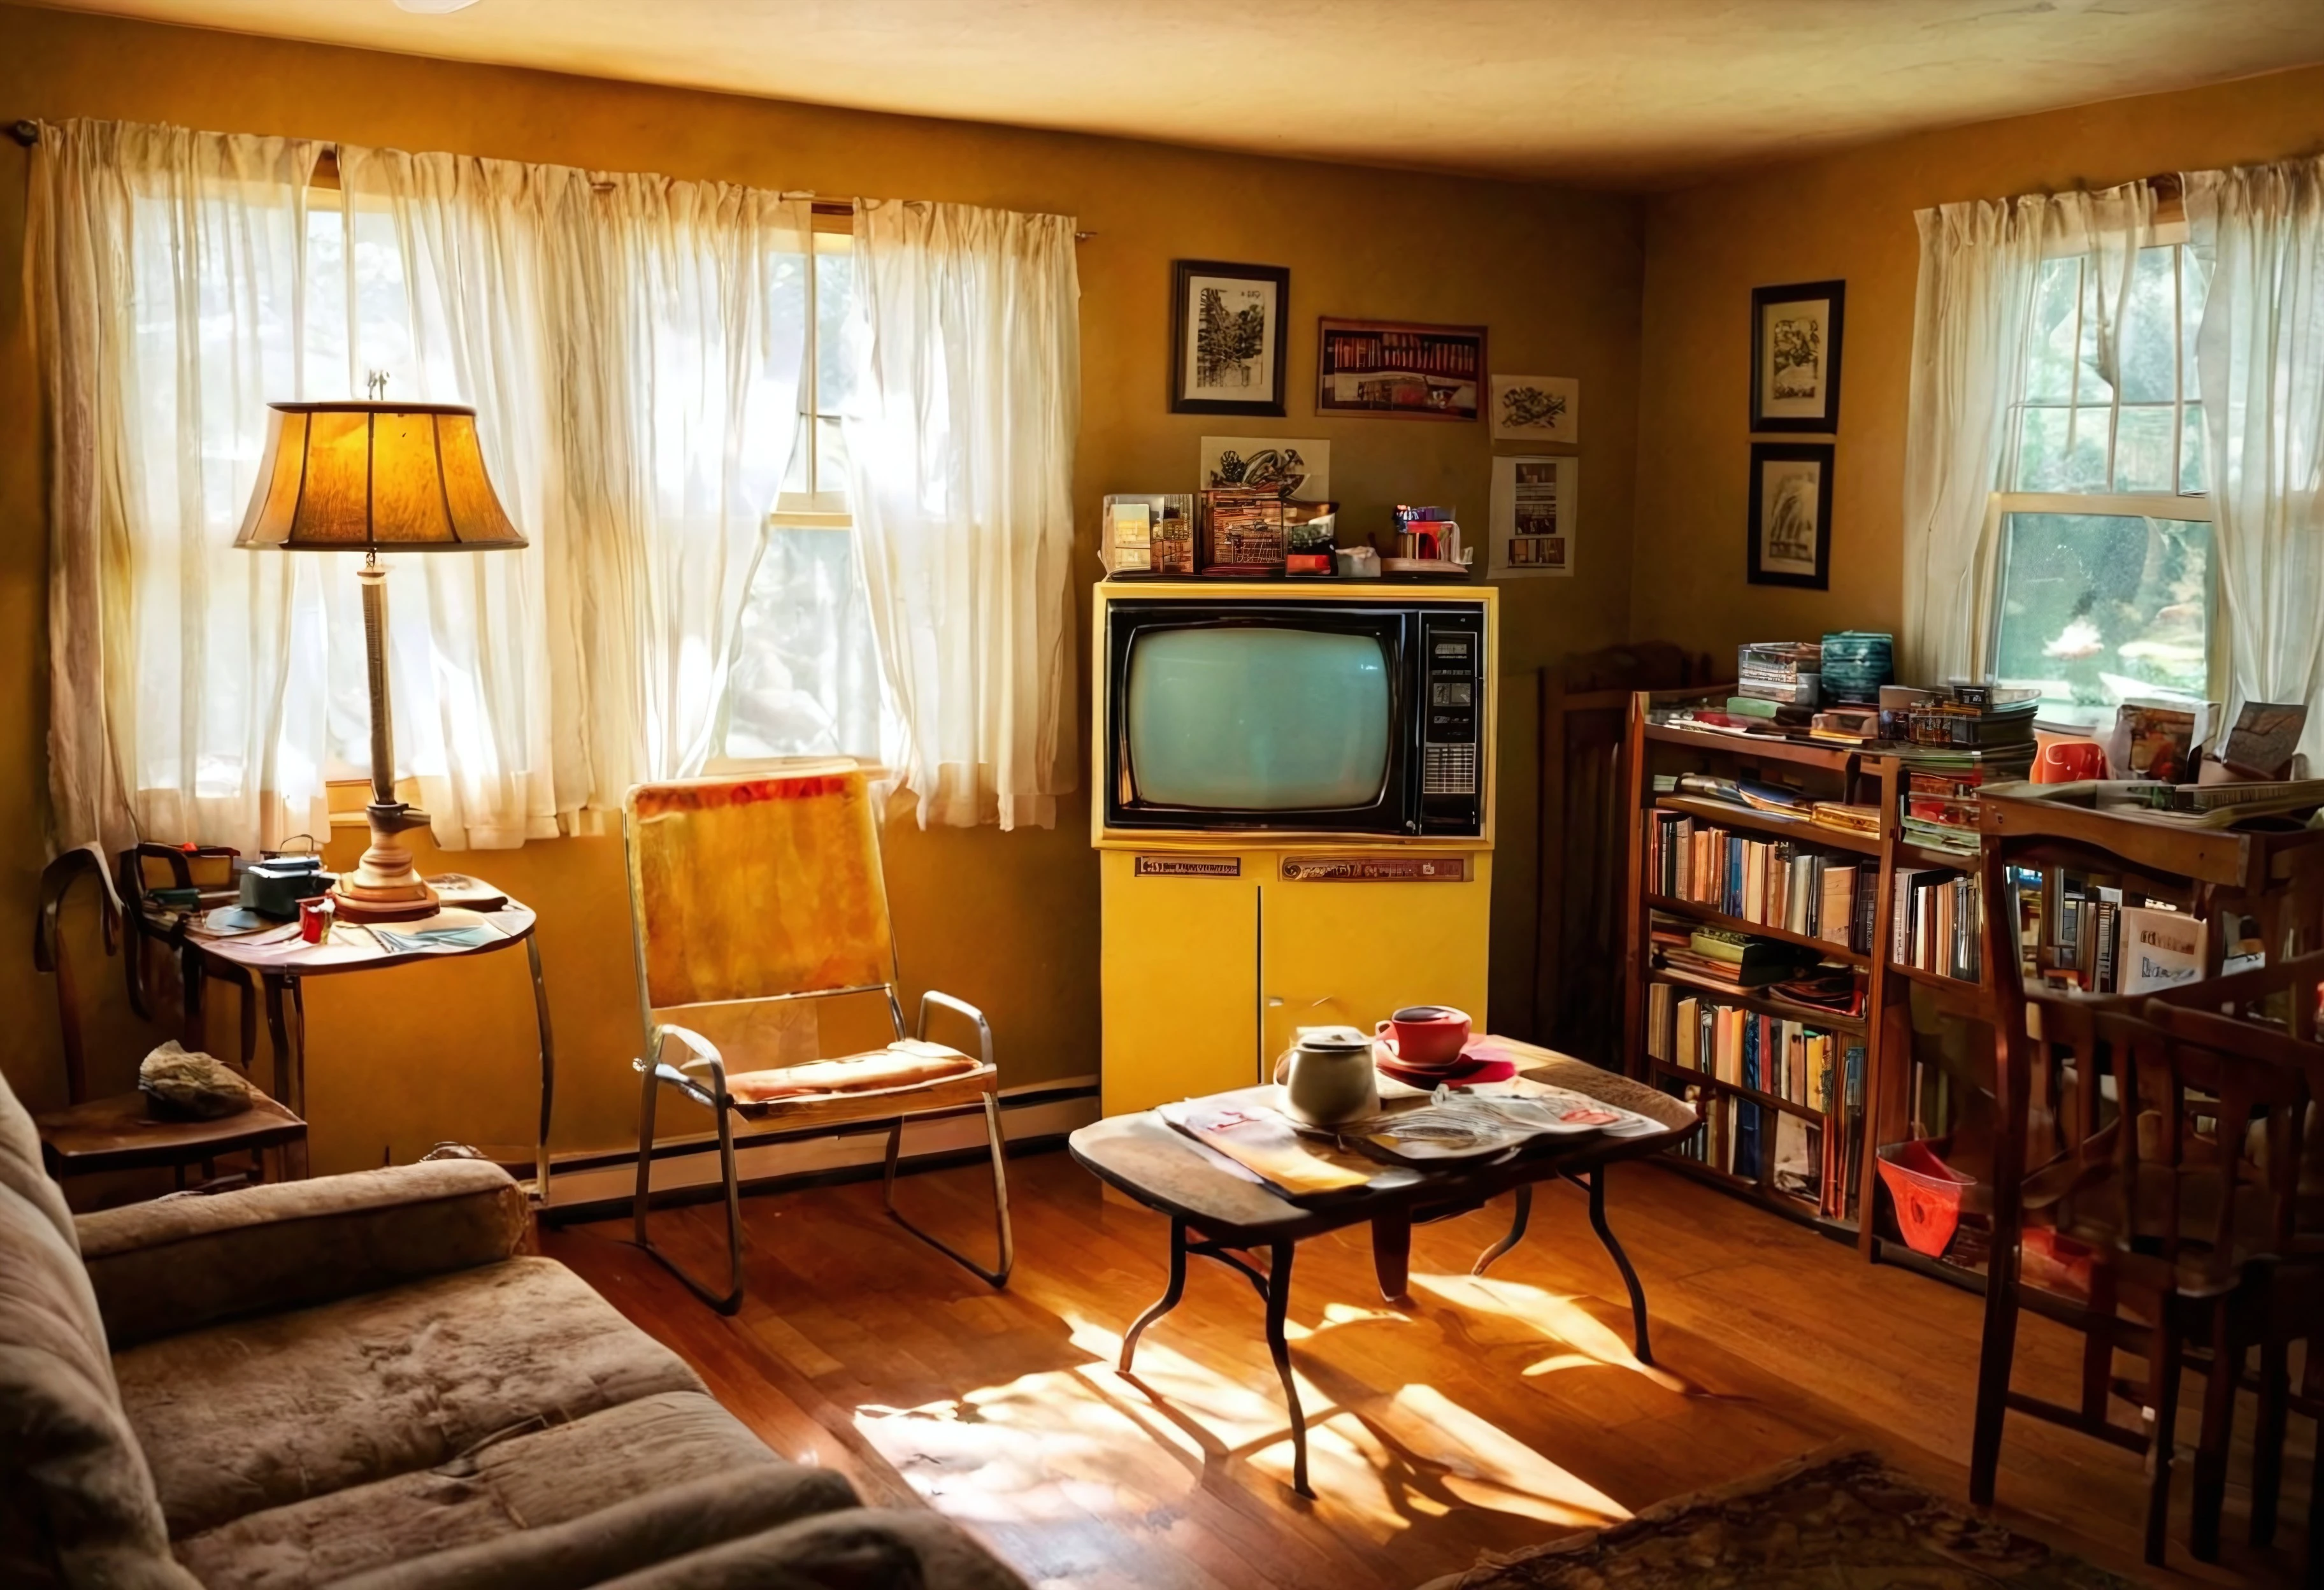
x=1471, y=1067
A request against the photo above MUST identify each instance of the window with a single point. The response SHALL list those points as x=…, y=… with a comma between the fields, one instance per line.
x=2103, y=531
x=806, y=680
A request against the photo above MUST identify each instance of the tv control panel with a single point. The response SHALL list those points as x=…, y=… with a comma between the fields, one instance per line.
x=1452, y=702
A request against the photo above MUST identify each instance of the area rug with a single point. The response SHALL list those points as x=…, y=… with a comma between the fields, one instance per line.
x=1823, y=1523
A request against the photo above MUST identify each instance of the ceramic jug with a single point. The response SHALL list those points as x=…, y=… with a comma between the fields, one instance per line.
x=1327, y=1078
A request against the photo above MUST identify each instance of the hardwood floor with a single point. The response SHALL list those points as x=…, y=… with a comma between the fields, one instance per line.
x=1481, y=1416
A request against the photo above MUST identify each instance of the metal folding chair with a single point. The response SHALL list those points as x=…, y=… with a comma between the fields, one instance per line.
x=747, y=895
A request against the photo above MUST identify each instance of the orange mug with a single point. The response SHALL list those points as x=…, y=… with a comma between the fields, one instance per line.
x=1428, y=1035
x=2061, y=758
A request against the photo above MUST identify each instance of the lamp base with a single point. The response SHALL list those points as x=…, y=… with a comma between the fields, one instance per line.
x=385, y=886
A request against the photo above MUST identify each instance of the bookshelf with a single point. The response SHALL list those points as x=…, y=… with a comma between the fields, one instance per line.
x=1867, y=1104
x=2260, y=885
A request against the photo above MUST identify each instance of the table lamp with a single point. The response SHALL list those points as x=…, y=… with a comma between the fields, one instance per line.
x=354, y=476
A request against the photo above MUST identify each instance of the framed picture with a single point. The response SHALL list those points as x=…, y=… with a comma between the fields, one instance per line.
x=1535, y=517
x=1226, y=337
x=1298, y=471
x=1394, y=369
x=1791, y=514
x=1795, y=356
x=1537, y=408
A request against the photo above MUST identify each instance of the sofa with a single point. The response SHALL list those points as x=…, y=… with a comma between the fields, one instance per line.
x=365, y=1380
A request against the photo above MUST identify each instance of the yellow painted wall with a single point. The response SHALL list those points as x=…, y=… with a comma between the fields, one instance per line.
x=1850, y=215
x=1007, y=920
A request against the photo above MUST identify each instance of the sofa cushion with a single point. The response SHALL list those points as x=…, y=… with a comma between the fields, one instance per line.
x=160, y=1269
x=76, y=1504
x=257, y=1414
x=501, y=1514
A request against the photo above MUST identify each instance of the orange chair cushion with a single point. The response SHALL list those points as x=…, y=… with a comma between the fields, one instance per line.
x=908, y=1062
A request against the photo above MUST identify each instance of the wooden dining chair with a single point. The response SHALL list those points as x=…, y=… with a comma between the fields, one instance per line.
x=751, y=899
x=116, y=1132
x=2286, y=1304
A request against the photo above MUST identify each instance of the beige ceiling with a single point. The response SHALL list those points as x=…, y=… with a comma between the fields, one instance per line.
x=1601, y=91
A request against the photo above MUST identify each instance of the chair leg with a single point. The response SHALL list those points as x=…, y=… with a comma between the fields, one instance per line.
x=998, y=1276
x=2162, y=1394
x=2267, y=1436
x=2219, y=1390
x=730, y=1301
x=1996, y=1354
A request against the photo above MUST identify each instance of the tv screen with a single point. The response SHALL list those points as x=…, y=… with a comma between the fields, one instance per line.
x=1250, y=719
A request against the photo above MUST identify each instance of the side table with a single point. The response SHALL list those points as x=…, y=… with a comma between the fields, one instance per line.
x=280, y=963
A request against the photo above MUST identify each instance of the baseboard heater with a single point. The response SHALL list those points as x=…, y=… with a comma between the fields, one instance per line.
x=595, y=1184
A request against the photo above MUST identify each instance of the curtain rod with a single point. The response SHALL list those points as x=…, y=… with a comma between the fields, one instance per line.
x=28, y=134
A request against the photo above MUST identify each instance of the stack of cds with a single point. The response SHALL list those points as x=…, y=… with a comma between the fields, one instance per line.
x=1856, y=664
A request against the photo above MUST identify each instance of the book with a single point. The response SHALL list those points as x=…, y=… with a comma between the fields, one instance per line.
x=2159, y=949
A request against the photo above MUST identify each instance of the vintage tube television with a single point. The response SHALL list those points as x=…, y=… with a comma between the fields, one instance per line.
x=1359, y=718
x=1293, y=808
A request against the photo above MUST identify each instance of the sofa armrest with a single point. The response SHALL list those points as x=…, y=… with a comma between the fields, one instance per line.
x=862, y=1546
x=161, y=1268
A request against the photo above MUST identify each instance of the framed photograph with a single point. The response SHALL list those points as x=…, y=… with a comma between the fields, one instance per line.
x=1297, y=470
x=1791, y=514
x=1226, y=337
x=1535, y=517
x=1795, y=356
x=1397, y=370
x=1537, y=408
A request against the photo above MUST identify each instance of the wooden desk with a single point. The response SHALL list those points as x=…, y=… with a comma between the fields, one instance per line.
x=1216, y=1214
x=280, y=963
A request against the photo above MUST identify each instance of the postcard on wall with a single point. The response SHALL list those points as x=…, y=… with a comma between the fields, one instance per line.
x=1394, y=369
x=1534, y=515
x=1227, y=341
x=1299, y=470
x=1537, y=408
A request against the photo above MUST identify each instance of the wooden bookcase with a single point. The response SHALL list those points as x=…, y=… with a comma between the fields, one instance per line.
x=1826, y=772
x=2275, y=880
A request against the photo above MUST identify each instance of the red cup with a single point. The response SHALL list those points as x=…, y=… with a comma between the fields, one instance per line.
x=2066, y=759
x=315, y=917
x=1428, y=1036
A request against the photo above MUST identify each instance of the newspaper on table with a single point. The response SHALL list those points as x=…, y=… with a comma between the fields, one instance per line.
x=1493, y=1117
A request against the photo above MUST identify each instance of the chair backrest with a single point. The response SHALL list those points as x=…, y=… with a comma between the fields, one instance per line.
x=2182, y=1203
x=49, y=954
x=756, y=887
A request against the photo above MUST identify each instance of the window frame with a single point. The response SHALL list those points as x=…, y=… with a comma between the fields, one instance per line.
x=2169, y=230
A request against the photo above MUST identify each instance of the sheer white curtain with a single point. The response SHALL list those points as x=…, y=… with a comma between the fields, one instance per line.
x=2260, y=358
x=959, y=444
x=626, y=343
x=166, y=272
x=1980, y=262
x=676, y=407
x=443, y=265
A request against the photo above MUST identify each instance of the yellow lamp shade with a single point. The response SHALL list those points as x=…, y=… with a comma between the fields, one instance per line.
x=356, y=476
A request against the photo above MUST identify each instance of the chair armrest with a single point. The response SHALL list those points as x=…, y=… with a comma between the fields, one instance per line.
x=983, y=1027
x=163, y=1268
x=706, y=1058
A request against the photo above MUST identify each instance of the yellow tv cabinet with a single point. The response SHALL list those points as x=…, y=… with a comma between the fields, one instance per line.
x=1218, y=945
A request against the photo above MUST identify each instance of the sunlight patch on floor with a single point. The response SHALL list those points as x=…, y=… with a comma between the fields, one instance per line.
x=1089, y=1441
x=1512, y=1313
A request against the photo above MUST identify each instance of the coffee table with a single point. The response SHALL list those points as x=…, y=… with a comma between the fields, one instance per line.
x=1217, y=1214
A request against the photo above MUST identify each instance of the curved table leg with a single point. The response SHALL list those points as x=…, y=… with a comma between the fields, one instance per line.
x=1597, y=1187
x=1169, y=1299
x=1392, y=1252
x=1278, y=1304
x=1515, y=1233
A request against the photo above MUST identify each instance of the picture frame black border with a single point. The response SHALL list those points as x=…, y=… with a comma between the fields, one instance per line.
x=1836, y=294
x=1181, y=273
x=1762, y=454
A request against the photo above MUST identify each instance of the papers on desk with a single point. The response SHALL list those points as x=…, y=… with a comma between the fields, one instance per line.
x=1493, y=1118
